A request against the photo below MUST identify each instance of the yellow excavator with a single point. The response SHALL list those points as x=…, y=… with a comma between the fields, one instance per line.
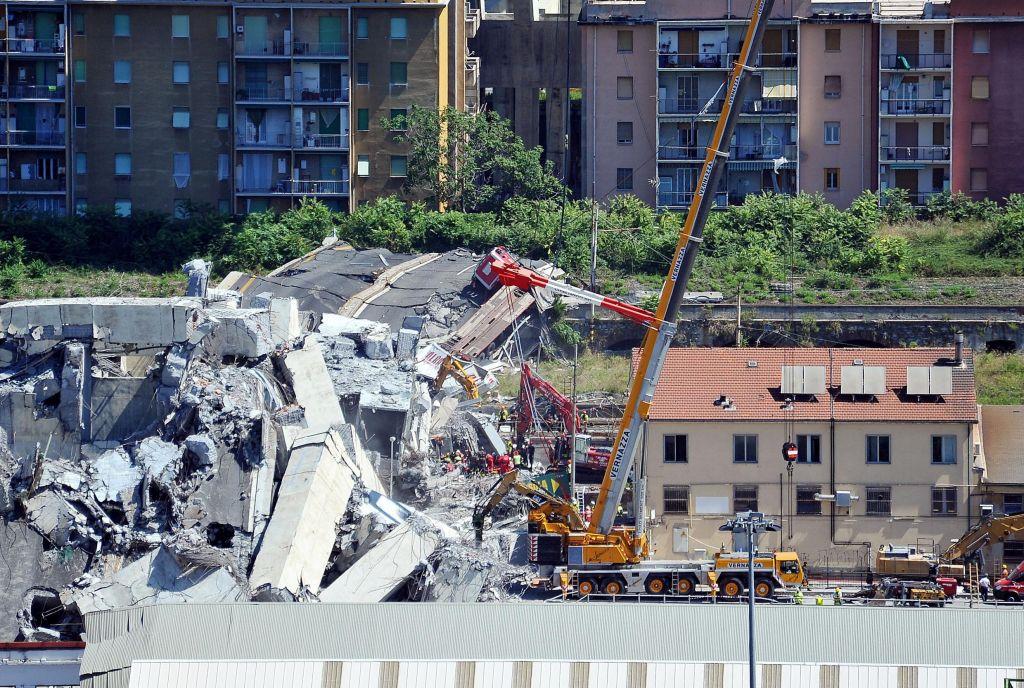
x=548, y=514
x=452, y=366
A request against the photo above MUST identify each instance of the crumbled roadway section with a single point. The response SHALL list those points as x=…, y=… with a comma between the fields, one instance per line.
x=158, y=450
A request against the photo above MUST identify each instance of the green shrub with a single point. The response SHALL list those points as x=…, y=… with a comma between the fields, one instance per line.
x=896, y=206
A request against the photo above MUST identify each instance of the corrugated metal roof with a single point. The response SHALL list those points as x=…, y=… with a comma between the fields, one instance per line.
x=597, y=632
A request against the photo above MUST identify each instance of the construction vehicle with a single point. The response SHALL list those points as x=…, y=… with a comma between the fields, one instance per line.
x=548, y=513
x=453, y=367
x=913, y=593
x=988, y=531
x=1011, y=588
x=607, y=556
x=909, y=562
x=530, y=385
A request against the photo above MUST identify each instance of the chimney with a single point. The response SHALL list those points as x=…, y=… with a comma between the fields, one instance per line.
x=958, y=349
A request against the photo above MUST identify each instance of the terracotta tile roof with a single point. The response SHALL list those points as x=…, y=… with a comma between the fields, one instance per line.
x=692, y=379
x=1002, y=437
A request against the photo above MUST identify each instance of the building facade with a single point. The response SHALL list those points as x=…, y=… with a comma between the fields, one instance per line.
x=862, y=423
x=239, y=106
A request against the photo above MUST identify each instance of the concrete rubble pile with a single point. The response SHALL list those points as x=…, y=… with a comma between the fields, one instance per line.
x=189, y=449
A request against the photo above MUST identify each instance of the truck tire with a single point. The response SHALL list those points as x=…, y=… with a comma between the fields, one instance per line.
x=587, y=586
x=612, y=586
x=685, y=586
x=1012, y=597
x=764, y=588
x=732, y=587
x=656, y=585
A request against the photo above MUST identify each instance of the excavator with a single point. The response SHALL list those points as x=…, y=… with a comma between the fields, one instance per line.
x=548, y=514
x=452, y=366
x=609, y=557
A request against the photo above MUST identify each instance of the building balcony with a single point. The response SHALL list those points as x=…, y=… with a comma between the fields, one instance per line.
x=323, y=141
x=472, y=21
x=722, y=60
x=917, y=198
x=312, y=49
x=701, y=107
x=472, y=72
x=472, y=100
x=916, y=106
x=737, y=153
x=37, y=186
x=262, y=93
x=786, y=60
x=684, y=199
x=915, y=62
x=323, y=95
x=688, y=106
x=32, y=138
x=298, y=187
x=34, y=92
x=280, y=140
x=916, y=153
x=34, y=46
x=275, y=48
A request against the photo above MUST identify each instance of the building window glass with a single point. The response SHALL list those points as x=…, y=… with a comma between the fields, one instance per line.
x=624, y=41
x=943, y=448
x=980, y=42
x=833, y=86
x=80, y=71
x=878, y=501
x=1013, y=552
x=362, y=119
x=399, y=28
x=624, y=88
x=877, y=449
x=831, y=133
x=399, y=73
x=179, y=26
x=223, y=167
x=80, y=163
x=806, y=504
x=399, y=165
x=744, y=448
x=944, y=501
x=222, y=72
x=833, y=40
x=624, y=179
x=362, y=73
x=1013, y=504
x=122, y=25
x=180, y=118
x=979, y=179
x=363, y=166
x=362, y=27
x=122, y=207
x=744, y=498
x=222, y=118
x=222, y=26
x=624, y=132
x=808, y=448
x=979, y=133
x=180, y=72
x=122, y=117
x=675, y=449
x=78, y=23
x=676, y=499
x=979, y=87
x=399, y=119
x=79, y=116
x=831, y=179
x=123, y=164
x=122, y=72
x=182, y=169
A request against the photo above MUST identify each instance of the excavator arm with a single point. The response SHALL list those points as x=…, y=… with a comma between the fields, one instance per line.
x=451, y=366
x=992, y=529
x=531, y=384
x=548, y=512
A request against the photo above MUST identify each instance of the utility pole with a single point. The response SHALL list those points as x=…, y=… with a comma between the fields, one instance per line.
x=593, y=246
x=575, y=411
x=739, y=336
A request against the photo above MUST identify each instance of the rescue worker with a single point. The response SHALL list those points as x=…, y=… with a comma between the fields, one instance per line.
x=984, y=585
x=819, y=602
x=837, y=597
x=1006, y=571
x=798, y=596
x=584, y=419
x=530, y=451
x=517, y=459
x=503, y=415
x=489, y=462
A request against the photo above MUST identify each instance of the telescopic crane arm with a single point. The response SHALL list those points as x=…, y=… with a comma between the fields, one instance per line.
x=992, y=529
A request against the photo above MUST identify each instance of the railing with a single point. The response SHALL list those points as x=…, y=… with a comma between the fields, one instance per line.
x=269, y=48
x=323, y=141
x=262, y=93
x=682, y=152
x=302, y=48
x=916, y=106
x=46, y=91
x=323, y=95
x=683, y=199
x=472, y=100
x=918, y=198
x=38, y=185
x=318, y=187
x=770, y=106
x=51, y=46
x=769, y=151
x=687, y=106
x=907, y=61
x=936, y=153
x=32, y=138
x=778, y=60
x=472, y=22
x=473, y=72
x=280, y=140
x=716, y=60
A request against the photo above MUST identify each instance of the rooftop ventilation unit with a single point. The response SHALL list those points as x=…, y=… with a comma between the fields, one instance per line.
x=862, y=379
x=929, y=380
x=803, y=380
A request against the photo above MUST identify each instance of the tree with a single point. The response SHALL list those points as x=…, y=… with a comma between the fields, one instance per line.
x=470, y=162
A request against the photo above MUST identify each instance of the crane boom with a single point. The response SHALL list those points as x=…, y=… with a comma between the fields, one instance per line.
x=657, y=341
x=990, y=530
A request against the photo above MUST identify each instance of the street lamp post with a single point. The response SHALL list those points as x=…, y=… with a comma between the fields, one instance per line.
x=751, y=524
x=391, y=469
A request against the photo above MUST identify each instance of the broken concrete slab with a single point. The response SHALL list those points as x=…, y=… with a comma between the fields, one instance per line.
x=381, y=571
x=198, y=273
x=311, y=383
x=241, y=332
x=159, y=459
x=113, y=477
x=313, y=497
x=203, y=448
x=405, y=345
x=374, y=337
x=52, y=516
x=284, y=320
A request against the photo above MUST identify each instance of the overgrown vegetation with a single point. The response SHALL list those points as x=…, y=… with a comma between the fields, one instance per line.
x=596, y=373
x=1000, y=378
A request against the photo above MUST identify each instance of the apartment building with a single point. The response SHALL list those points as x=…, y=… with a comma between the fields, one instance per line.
x=239, y=106
x=894, y=428
x=987, y=95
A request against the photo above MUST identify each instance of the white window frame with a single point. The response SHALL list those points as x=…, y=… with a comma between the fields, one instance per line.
x=176, y=21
